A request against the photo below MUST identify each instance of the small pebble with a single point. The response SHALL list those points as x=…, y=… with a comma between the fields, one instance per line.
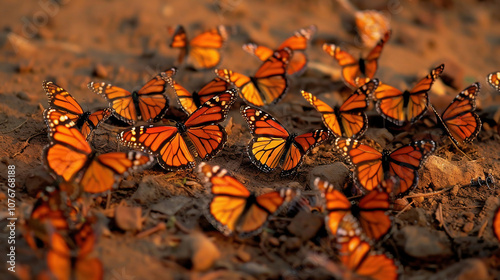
x=243, y=256
x=468, y=227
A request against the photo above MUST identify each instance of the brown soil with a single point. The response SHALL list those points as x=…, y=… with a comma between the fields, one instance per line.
x=42, y=40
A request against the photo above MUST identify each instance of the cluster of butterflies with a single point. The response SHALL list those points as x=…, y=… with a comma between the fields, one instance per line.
x=175, y=145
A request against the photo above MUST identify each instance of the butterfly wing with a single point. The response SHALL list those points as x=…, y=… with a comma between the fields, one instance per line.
x=59, y=257
x=211, y=89
x=496, y=223
x=164, y=142
x=298, y=44
x=337, y=206
x=405, y=162
x=215, y=110
x=371, y=61
x=461, y=122
x=179, y=40
x=204, y=49
x=120, y=101
x=389, y=102
x=494, y=80
x=152, y=98
x=269, y=138
x=328, y=114
x=353, y=120
x=185, y=98
x=372, y=214
x=350, y=65
x=261, y=52
x=60, y=99
x=365, y=160
x=94, y=120
x=300, y=147
x=419, y=99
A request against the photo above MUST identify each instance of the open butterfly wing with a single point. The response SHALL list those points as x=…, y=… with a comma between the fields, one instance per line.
x=336, y=203
x=152, y=98
x=59, y=257
x=371, y=61
x=268, y=144
x=213, y=111
x=67, y=152
x=327, y=113
x=261, y=52
x=204, y=49
x=229, y=198
x=179, y=37
x=419, y=99
x=372, y=217
x=350, y=65
x=94, y=120
x=496, y=223
x=208, y=140
x=365, y=160
x=461, y=122
x=120, y=100
x=60, y=99
x=494, y=80
x=164, y=142
x=247, y=88
x=104, y=173
x=300, y=147
x=211, y=89
x=406, y=161
x=298, y=44
x=389, y=103
x=185, y=98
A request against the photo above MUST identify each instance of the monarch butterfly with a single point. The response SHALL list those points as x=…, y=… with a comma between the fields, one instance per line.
x=61, y=103
x=268, y=85
x=496, y=223
x=150, y=103
x=357, y=68
x=371, y=26
x=409, y=106
x=350, y=119
x=459, y=119
x=190, y=102
x=494, y=80
x=372, y=167
x=203, y=51
x=272, y=145
x=69, y=259
x=355, y=255
x=68, y=155
x=234, y=209
x=297, y=43
x=201, y=128
x=345, y=220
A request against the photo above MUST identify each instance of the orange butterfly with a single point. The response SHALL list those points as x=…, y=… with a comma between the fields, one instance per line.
x=409, y=106
x=356, y=257
x=150, y=103
x=68, y=257
x=353, y=68
x=347, y=220
x=350, y=119
x=61, y=103
x=272, y=145
x=203, y=51
x=68, y=155
x=234, y=209
x=297, y=43
x=190, y=102
x=268, y=85
x=201, y=128
x=459, y=119
x=494, y=80
x=496, y=223
x=372, y=26
x=372, y=167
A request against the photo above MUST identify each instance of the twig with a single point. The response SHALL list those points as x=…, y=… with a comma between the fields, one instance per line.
x=405, y=208
x=17, y=127
x=481, y=230
x=26, y=143
x=429, y=194
x=440, y=218
x=454, y=144
x=181, y=227
x=159, y=227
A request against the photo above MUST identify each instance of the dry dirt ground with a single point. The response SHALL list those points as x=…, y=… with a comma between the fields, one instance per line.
x=65, y=41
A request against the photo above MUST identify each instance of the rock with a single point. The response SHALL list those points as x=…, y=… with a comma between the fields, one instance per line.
x=424, y=244
x=273, y=241
x=443, y=173
x=150, y=190
x=305, y=225
x=259, y=271
x=23, y=96
x=335, y=173
x=100, y=71
x=170, y=205
x=128, y=218
x=243, y=256
x=468, y=227
x=466, y=269
x=380, y=135
x=196, y=252
x=293, y=243
x=416, y=216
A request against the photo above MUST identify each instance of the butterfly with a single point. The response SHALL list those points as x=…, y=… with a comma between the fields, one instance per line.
x=272, y=145
x=345, y=220
x=202, y=131
x=203, y=51
x=61, y=103
x=234, y=209
x=356, y=257
x=350, y=119
x=372, y=167
x=297, y=43
x=459, y=119
x=68, y=256
x=353, y=68
x=496, y=223
x=494, y=80
x=190, y=102
x=69, y=156
x=409, y=106
x=372, y=25
x=268, y=85
x=149, y=103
